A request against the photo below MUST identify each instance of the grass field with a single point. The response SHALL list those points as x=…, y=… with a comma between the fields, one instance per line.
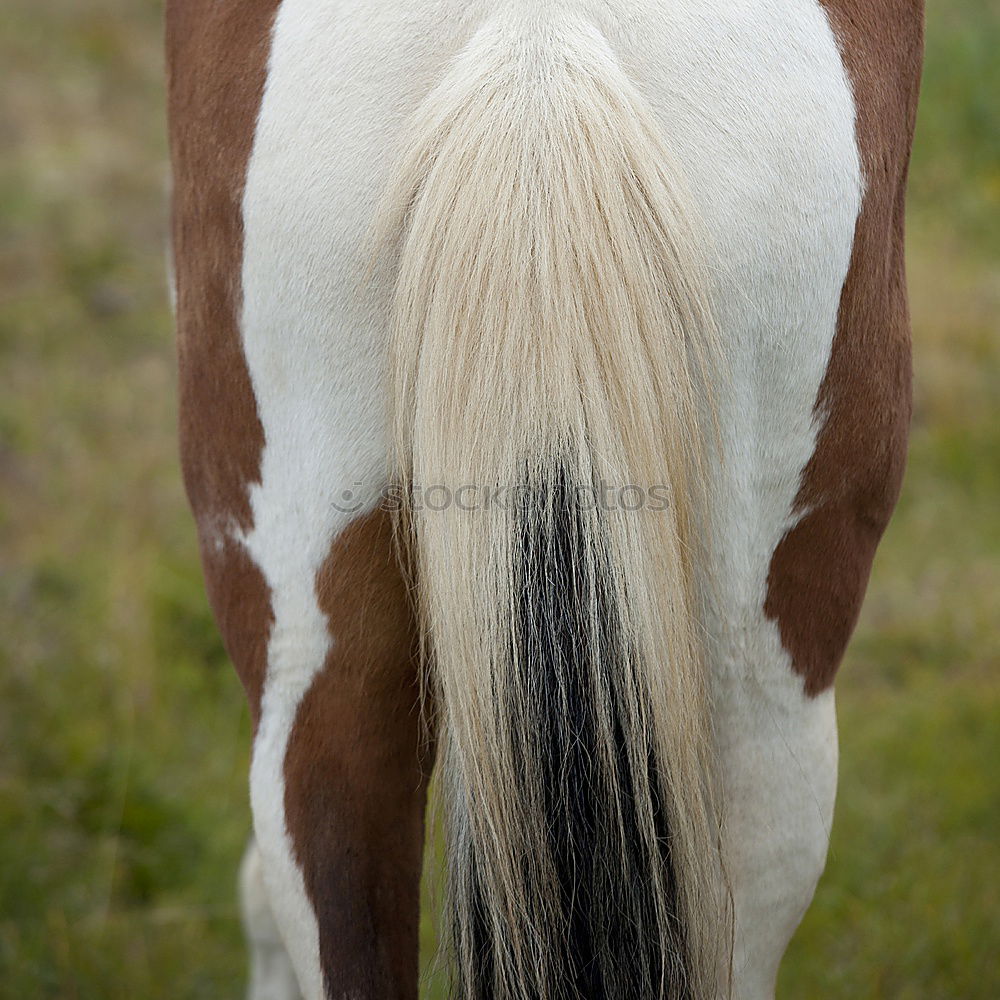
x=123, y=736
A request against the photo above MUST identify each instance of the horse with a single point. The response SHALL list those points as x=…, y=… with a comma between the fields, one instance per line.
x=544, y=380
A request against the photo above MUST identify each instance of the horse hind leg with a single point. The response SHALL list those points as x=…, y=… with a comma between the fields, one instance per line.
x=271, y=974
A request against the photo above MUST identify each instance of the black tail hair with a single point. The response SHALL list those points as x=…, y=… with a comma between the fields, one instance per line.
x=575, y=659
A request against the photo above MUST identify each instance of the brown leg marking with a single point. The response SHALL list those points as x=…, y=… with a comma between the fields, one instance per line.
x=217, y=63
x=356, y=771
x=820, y=570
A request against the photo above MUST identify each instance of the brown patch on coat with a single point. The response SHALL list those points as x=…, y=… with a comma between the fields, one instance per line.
x=216, y=67
x=819, y=571
x=354, y=775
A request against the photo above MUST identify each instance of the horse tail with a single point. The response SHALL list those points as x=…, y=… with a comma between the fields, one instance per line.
x=550, y=351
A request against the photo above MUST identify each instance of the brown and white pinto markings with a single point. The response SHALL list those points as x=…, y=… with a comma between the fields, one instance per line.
x=788, y=127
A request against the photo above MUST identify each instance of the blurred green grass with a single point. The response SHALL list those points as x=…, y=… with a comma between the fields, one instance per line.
x=123, y=736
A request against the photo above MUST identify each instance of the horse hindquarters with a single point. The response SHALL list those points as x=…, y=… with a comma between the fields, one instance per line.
x=283, y=351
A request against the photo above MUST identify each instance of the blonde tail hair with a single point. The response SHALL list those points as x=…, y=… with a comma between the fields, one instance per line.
x=550, y=355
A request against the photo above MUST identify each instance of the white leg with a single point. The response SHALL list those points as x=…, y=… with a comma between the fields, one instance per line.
x=779, y=755
x=271, y=973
